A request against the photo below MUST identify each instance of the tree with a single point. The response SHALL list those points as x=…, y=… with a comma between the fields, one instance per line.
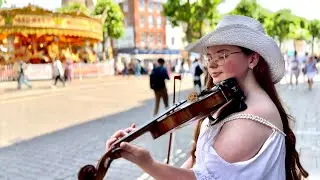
x=246, y=8
x=251, y=9
x=193, y=15
x=74, y=8
x=314, y=30
x=269, y=26
x=283, y=25
x=112, y=18
x=300, y=30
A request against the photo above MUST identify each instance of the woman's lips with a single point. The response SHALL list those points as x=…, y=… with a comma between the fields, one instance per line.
x=215, y=74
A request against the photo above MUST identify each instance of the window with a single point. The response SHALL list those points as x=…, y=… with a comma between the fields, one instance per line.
x=125, y=19
x=150, y=6
x=125, y=7
x=159, y=21
x=159, y=38
x=143, y=37
x=142, y=21
x=141, y=4
x=151, y=38
x=150, y=21
x=143, y=40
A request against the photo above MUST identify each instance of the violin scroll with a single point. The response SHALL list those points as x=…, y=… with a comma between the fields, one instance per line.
x=88, y=172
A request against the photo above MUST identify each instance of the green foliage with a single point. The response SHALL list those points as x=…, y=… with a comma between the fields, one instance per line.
x=314, y=28
x=113, y=25
x=252, y=9
x=246, y=8
x=301, y=29
x=283, y=26
x=195, y=15
x=74, y=8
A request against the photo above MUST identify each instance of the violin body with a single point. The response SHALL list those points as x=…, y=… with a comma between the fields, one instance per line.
x=225, y=96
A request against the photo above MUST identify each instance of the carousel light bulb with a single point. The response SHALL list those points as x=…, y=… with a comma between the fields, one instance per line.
x=16, y=40
x=29, y=47
x=41, y=45
x=5, y=41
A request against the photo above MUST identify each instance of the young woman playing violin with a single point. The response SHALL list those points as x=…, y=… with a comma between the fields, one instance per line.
x=256, y=143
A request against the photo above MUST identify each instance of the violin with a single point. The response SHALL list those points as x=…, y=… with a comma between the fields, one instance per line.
x=222, y=100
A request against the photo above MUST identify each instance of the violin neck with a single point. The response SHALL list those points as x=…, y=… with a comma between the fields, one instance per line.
x=137, y=133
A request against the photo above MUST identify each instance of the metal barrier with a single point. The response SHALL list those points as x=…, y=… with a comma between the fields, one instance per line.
x=7, y=73
x=44, y=71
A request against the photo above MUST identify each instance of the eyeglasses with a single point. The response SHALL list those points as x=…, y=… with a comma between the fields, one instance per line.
x=220, y=58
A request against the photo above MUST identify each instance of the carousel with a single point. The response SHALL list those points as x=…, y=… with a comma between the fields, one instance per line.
x=36, y=36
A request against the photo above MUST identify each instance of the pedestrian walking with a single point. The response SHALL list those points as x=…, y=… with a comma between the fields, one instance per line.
x=157, y=83
x=257, y=143
x=68, y=71
x=196, y=71
x=310, y=71
x=138, y=68
x=22, y=77
x=57, y=70
x=294, y=68
x=125, y=69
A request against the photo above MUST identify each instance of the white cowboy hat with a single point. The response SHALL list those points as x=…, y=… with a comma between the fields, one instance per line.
x=245, y=32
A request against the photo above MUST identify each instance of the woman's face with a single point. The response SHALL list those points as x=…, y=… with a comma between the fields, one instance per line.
x=225, y=61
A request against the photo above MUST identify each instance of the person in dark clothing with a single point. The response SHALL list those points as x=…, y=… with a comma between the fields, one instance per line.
x=157, y=82
x=196, y=71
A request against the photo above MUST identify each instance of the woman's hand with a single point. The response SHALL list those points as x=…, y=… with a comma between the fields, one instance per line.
x=136, y=155
x=118, y=135
x=132, y=153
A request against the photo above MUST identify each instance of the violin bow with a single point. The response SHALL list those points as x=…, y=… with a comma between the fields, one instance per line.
x=178, y=77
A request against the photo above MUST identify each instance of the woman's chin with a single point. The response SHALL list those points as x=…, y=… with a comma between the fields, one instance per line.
x=217, y=80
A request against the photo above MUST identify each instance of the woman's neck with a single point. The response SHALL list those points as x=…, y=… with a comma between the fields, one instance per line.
x=249, y=85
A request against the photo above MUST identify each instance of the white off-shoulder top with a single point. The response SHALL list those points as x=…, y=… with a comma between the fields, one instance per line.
x=267, y=164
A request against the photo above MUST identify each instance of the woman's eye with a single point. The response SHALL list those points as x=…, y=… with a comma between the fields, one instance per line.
x=221, y=56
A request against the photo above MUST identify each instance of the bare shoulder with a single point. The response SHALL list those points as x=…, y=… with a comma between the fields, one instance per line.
x=241, y=139
x=266, y=109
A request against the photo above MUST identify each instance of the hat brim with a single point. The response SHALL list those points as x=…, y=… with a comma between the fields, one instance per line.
x=241, y=35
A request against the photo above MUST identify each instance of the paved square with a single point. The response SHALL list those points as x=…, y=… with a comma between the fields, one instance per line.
x=48, y=134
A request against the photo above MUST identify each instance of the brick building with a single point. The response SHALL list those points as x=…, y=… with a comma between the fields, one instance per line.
x=145, y=30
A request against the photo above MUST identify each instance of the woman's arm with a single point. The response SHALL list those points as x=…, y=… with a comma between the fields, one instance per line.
x=160, y=171
x=143, y=159
x=187, y=164
x=157, y=170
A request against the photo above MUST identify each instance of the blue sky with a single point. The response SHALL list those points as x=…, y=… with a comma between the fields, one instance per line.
x=305, y=8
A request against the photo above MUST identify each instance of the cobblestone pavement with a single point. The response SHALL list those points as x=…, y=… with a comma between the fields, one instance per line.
x=52, y=133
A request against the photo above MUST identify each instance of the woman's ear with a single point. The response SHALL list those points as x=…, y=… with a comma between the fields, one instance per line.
x=253, y=61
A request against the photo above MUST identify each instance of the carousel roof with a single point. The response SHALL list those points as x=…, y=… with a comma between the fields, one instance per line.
x=37, y=21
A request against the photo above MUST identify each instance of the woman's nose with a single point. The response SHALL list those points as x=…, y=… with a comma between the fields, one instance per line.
x=212, y=64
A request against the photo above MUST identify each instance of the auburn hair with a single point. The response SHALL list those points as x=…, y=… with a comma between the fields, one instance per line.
x=294, y=169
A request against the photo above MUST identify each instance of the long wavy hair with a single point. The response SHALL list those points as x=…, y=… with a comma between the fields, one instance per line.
x=294, y=169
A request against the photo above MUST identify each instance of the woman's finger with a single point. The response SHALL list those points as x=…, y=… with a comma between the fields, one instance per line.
x=133, y=125
x=127, y=147
x=118, y=134
x=110, y=142
x=129, y=129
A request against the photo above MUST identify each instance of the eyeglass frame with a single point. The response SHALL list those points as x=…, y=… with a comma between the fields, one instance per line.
x=225, y=56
